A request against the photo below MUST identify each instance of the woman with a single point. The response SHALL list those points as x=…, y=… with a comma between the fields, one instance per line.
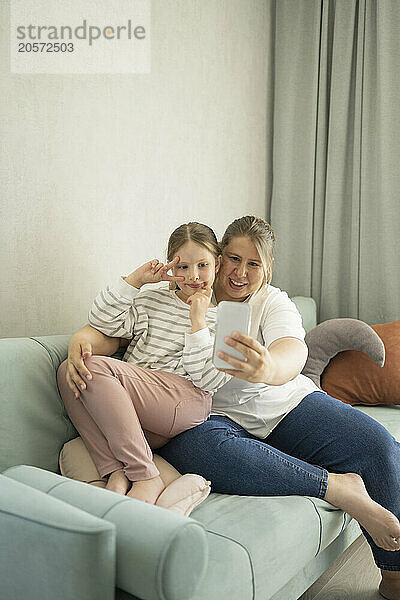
x=274, y=420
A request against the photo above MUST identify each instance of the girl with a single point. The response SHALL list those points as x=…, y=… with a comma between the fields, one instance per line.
x=165, y=384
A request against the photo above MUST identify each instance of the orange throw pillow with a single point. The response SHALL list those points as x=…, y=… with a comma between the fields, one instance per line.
x=355, y=378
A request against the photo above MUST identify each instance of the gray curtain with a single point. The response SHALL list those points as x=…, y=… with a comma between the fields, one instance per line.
x=333, y=148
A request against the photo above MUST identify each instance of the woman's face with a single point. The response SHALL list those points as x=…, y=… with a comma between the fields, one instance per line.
x=241, y=271
x=197, y=265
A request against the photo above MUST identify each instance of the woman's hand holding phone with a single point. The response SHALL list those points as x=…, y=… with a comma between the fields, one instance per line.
x=249, y=360
x=153, y=271
x=258, y=366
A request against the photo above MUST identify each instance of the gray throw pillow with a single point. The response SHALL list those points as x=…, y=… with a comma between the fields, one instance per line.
x=337, y=335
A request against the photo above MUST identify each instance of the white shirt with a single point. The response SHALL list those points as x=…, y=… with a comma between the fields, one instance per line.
x=255, y=406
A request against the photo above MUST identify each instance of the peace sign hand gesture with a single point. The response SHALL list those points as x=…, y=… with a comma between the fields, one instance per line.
x=153, y=271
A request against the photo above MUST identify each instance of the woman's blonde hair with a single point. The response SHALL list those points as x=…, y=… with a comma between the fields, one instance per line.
x=192, y=232
x=262, y=236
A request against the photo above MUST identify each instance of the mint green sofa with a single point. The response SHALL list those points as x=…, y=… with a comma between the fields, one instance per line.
x=66, y=540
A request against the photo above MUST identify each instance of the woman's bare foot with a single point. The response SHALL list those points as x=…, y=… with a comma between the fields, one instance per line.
x=147, y=490
x=118, y=482
x=347, y=491
x=389, y=587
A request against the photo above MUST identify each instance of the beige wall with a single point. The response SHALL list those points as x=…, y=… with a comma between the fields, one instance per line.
x=97, y=170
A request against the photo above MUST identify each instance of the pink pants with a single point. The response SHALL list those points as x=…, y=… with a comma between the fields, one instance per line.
x=125, y=408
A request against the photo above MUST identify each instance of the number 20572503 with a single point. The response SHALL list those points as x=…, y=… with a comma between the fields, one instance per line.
x=45, y=47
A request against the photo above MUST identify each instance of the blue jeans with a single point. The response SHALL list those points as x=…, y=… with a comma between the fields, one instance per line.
x=320, y=435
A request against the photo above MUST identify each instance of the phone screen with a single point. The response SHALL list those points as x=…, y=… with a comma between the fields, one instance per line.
x=231, y=316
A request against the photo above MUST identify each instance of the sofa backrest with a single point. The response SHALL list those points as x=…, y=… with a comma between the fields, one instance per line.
x=34, y=425
x=308, y=310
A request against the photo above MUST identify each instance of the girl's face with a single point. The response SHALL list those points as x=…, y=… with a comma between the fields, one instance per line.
x=197, y=265
x=241, y=271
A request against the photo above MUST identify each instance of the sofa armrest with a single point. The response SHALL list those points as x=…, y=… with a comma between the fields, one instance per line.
x=49, y=549
x=160, y=555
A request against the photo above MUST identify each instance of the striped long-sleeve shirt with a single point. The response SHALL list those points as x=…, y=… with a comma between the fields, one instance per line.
x=158, y=324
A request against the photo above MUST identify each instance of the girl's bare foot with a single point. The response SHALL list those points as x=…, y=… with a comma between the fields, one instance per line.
x=389, y=587
x=118, y=482
x=147, y=490
x=347, y=491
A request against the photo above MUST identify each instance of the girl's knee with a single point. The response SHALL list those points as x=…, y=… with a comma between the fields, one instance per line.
x=99, y=363
x=62, y=369
x=61, y=376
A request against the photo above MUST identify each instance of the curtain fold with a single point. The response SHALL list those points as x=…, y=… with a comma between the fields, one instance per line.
x=334, y=196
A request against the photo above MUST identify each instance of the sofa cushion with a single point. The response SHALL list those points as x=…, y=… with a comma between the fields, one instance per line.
x=268, y=530
x=76, y=463
x=355, y=378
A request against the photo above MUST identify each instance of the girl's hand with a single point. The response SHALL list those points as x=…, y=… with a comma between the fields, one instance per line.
x=153, y=271
x=258, y=366
x=199, y=303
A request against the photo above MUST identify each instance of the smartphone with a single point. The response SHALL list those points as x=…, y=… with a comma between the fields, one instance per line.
x=231, y=316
